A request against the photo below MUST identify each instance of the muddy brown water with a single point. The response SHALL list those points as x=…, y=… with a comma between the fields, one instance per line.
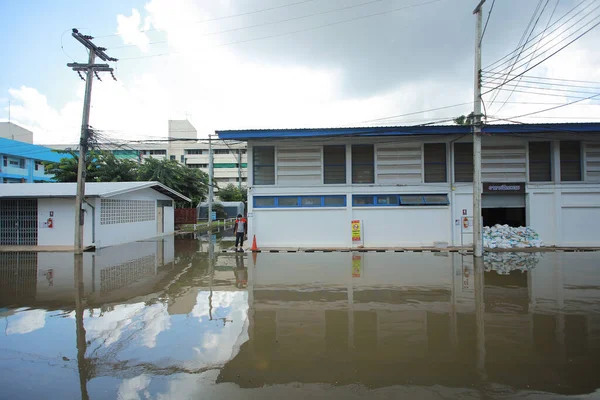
x=178, y=318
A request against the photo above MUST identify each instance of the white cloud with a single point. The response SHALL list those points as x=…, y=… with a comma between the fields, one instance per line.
x=130, y=389
x=254, y=85
x=129, y=28
x=26, y=322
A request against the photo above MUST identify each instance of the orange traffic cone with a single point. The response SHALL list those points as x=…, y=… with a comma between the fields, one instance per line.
x=254, y=247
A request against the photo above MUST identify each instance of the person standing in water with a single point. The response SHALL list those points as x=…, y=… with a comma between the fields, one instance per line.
x=239, y=229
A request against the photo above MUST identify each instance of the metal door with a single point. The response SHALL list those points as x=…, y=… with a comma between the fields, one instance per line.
x=18, y=222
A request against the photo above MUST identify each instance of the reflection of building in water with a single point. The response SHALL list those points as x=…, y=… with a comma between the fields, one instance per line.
x=46, y=279
x=18, y=276
x=400, y=318
x=126, y=273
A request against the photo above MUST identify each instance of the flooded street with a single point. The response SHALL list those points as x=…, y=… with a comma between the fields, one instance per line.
x=178, y=318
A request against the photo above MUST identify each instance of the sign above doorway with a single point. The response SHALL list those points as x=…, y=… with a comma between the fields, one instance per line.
x=510, y=187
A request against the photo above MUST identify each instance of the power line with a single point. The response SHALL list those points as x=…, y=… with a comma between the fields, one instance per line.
x=548, y=78
x=491, y=66
x=293, y=32
x=486, y=21
x=224, y=17
x=536, y=47
x=268, y=23
x=416, y=112
x=555, y=84
x=551, y=89
x=538, y=63
x=539, y=93
x=555, y=107
x=526, y=63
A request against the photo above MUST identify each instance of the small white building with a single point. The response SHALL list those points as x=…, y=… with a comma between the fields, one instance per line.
x=413, y=185
x=43, y=214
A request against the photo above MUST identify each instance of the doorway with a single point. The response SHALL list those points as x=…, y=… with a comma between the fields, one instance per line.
x=160, y=219
x=504, y=209
x=18, y=222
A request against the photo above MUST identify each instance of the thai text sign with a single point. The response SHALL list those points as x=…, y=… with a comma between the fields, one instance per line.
x=513, y=187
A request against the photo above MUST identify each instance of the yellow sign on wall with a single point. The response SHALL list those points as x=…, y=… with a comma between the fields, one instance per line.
x=356, y=231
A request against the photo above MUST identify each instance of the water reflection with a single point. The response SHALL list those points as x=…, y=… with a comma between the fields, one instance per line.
x=179, y=319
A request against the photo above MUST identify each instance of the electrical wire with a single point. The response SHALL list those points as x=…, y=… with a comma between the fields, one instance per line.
x=265, y=23
x=546, y=58
x=292, y=32
x=555, y=107
x=486, y=22
x=496, y=65
x=553, y=79
x=534, y=50
x=222, y=18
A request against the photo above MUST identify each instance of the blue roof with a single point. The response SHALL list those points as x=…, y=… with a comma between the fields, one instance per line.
x=249, y=134
x=27, y=150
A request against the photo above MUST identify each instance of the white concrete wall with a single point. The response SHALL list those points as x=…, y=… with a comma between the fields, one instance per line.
x=325, y=227
x=169, y=218
x=112, y=234
x=62, y=232
x=403, y=226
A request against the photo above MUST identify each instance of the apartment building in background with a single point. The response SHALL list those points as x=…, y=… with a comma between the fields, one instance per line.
x=182, y=145
x=21, y=161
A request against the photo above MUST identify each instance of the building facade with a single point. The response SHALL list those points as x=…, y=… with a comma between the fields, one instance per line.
x=22, y=162
x=412, y=186
x=182, y=145
x=114, y=213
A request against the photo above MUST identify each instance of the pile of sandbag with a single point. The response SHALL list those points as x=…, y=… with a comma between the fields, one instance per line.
x=506, y=237
x=504, y=263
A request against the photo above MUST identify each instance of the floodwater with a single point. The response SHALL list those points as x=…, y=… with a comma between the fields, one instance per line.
x=179, y=319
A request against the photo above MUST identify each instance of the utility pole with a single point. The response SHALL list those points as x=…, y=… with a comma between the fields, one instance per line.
x=240, y=169
x=90, y=69
x=210, y=180
x=477, y=217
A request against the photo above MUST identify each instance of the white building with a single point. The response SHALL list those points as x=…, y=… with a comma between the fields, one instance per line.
x=115, y=212
x=182, y=145
x=412, y=186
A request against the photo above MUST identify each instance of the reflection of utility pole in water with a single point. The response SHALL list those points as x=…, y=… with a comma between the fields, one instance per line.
x=79, y=326
x=480, y=316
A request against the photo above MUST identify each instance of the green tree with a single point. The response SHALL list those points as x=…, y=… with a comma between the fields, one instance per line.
x=112, y=169
x=103, y=166
x=233, y=193
x=65, y=170
x=190, y=182
x=465, y=120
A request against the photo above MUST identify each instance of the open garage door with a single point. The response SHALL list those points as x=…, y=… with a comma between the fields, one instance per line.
x=18, y=222
x=503, y=209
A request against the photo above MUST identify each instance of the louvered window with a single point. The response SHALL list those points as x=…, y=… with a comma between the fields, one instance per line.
x=264, y=165
x=570, y=161
x=334, y=164
x=363, y=164
x=435, y=162
x=540, y=161
x=463, y=162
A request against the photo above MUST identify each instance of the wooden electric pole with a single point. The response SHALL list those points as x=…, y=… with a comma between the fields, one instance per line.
x=90, y=69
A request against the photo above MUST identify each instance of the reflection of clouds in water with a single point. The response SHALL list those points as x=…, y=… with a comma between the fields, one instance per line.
x=156, y=320
x=129, y=389
x=220, y=343
x=26, y=321
x=219, y=300
x=113, y=324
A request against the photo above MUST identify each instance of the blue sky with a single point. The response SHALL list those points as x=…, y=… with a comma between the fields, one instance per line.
x=226, y=64
x=31, y=38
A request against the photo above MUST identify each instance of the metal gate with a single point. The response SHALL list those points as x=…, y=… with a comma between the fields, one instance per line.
x=18, y=222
